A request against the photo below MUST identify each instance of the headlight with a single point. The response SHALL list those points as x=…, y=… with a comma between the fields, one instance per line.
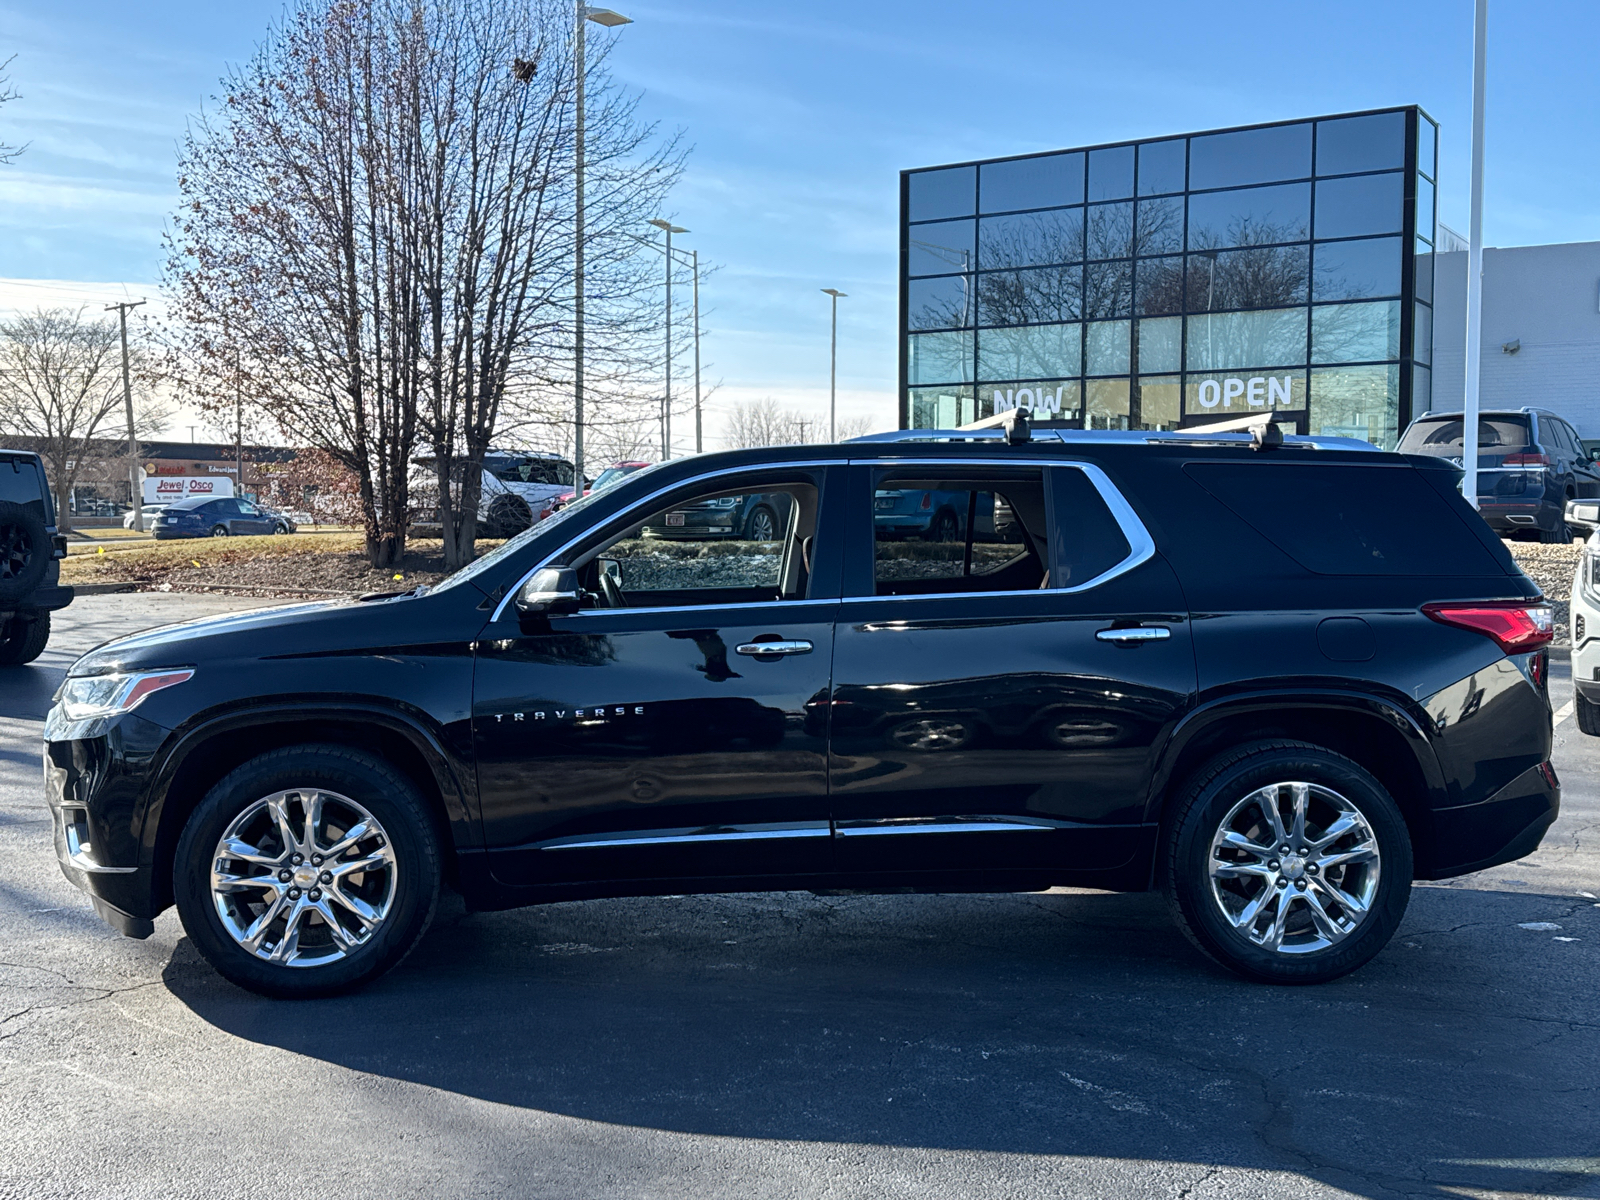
x=89, y=696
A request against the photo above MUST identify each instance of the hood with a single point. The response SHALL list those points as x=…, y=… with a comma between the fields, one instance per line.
x=174, y=645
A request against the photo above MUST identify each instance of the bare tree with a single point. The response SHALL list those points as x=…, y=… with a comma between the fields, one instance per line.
x=8, y=152
x=377, y=221
x=61, y=385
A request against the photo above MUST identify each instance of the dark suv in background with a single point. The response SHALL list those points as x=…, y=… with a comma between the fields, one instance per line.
x=1530, y=464
x=30, y=558
x=1195, y=662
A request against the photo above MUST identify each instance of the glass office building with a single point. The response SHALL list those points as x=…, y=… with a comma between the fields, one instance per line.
x=1166, y=283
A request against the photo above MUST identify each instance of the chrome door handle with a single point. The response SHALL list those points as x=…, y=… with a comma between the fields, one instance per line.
x=773, y=649
x=1132, y=637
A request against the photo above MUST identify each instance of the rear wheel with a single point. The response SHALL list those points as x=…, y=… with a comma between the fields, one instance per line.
x=509, y=515
x=946, y=528
x=762, y=526
x=24, y=639
x=307, y=871
x=219, y=531
x=1287, y=863
x=25, y=550
x=1588, y=714
x=1559, y=536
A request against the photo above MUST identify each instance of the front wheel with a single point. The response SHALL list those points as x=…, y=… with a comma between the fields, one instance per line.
x=1287, y=863
x=307, y=871
x=25, y=639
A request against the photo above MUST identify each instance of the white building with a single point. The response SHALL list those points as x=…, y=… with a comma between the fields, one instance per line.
x=1541, y=331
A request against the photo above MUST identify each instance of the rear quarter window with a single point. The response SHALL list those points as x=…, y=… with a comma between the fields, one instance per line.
x=19, y=481
x=1349, y=520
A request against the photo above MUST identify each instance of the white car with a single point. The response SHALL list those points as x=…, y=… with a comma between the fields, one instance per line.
x=151, y=512
x=1585, y=628
x=518, y=488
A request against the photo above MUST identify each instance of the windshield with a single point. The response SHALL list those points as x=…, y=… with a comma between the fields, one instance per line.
x=502, y=552
x=610, y=475
x=1442, y=436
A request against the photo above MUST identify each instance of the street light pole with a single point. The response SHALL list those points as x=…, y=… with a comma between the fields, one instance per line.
x=600, y=16
x=666, y=400
x=698, y=433
x=1469, y=408
x=833, y=365
x=135, y=493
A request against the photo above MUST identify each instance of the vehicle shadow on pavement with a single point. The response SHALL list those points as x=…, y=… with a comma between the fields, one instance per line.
x=1464, y=1057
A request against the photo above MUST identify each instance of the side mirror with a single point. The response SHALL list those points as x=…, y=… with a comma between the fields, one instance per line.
x=551, y=592
x=1592, y=453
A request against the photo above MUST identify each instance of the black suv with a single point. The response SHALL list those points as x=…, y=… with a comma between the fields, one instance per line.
x=1531, y=463
x=1186, y=663
x=30, y=554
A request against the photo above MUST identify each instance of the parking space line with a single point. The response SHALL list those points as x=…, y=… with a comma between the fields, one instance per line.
x=1562, y=714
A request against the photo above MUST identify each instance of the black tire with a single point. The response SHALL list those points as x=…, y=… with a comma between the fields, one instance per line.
x=25, y=550
x=371, y=783
x=1559, y=536
x=1588, y=714
x=1187, y=852
x=946, y=527
x=762, y=525
x=219, y=531
x=509, y=515
x=280, y=527
x=24, y=639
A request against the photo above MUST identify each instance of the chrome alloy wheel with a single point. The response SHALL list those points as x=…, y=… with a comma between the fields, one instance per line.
x=1294, y=867
x=303, y=877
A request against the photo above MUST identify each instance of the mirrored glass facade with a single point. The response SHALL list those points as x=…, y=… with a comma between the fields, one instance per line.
x=1167, y=283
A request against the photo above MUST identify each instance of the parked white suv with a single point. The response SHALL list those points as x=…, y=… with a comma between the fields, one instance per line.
x=518, y=489
x=1585, y=629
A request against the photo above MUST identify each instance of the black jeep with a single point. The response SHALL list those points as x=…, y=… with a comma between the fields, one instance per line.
x=30, y=548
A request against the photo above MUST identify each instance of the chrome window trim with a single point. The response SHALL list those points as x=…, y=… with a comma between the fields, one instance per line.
x=556, y=554
x=1141, y=546
x=975, y=824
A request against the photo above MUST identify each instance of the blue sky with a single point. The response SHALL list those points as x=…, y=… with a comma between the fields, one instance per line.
x=801, y=115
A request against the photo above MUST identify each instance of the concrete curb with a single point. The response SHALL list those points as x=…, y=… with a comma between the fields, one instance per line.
x=100, y=589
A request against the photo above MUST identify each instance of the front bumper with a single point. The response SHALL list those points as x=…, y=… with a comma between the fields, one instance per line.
x=95, y=783
x=45, y=599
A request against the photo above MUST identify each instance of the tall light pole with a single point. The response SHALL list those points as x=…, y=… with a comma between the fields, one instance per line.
x=666, y=400
x=1469, y=408
x=833, y=365
x=698, y=432
x=600, y=16
x=135, y=492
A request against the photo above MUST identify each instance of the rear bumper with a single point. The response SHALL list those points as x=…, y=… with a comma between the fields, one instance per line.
x=1505, y=515
x=1507, y=826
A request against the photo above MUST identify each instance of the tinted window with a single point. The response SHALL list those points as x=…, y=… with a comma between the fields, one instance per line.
x=1111, y=173
x=1355, y=332
x=1110, y=232
x=1087, y=541
x=19, y=481
x=1031, y=352
x=1350, y=520
x=1031, y=239
x=1442, y=436
x=1158, y=286
x=1267, y=277
x=1042, y=182
x=1357, y=270
x=1268, y=338
x=1250, y=156
x=1422, y=334
x=940, y=249
x=1427, y=136
x=1161, y=167
x=940, y=357
x=1256, y=217
x=934, y=535
x=1375, y=143
x=1108, y=289
x=1160, y=226
x=940, y=303
x=952, y=192
x=1046, y=295
x=1424, y=208
x=1360, y=206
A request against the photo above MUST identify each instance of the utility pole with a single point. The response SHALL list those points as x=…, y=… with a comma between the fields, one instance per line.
x=600, y=16
x=833, y=365
x=698, y=446
x=666, y=401
x=1469, y=408
x=135, y=491
x=238, y=428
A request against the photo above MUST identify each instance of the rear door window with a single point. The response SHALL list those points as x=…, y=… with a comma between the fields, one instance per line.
x=1349, y=520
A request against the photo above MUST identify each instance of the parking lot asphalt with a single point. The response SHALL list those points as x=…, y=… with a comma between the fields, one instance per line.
x=791, y=1045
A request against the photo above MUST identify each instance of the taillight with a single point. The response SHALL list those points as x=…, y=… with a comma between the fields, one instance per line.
x=927, y=500
x=1516, y=626
x=1531, y=459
